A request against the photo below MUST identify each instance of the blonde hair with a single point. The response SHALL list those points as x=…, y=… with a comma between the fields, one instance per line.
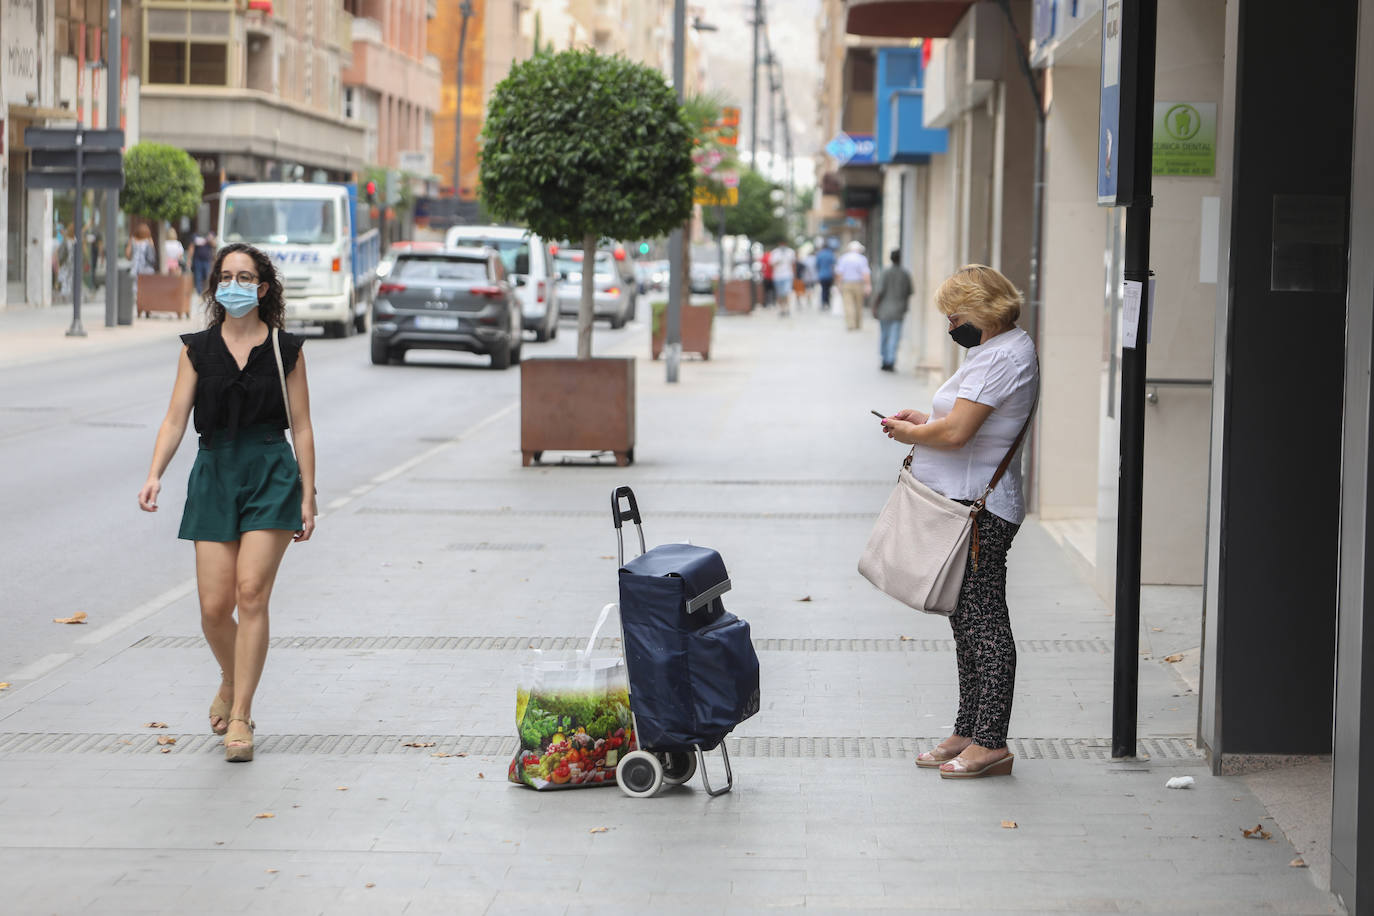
x=981, y=296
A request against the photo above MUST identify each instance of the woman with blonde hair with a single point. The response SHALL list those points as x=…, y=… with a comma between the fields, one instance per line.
x=976, y=417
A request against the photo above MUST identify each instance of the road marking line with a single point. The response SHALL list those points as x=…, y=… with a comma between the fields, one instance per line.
x=37, y=669
x=429, y=453
x=146, y=609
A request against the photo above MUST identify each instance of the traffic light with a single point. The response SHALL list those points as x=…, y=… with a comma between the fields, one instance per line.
x=371, y=189
x=643, y=248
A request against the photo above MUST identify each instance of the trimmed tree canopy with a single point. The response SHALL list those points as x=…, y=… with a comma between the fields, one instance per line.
x=577, y=144
x=161, y=182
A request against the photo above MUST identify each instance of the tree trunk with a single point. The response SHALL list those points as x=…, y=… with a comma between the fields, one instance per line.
x=687, y=262
x=585, y=311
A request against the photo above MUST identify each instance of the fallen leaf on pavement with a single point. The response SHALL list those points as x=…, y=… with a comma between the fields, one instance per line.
x=1157, y=629
x=807, y=598
x=4, y=685
x=906, y=638
x=264, y=815
x=443, y=754
x=1297, y=863
x=1176, y=657
x=271, y=871
x=481, y=775
x=122, y=741
x=369, y=884
x=166, y=739
x=78, y=617
x=1259, y=833
x=1010, y=825
x=607, y=556
x=154, y=724
x=342, y=789
x=166, y=750
x=598, y=829
x=419, y=744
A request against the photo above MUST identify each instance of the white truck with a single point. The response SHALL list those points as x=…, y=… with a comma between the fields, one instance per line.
x=328, y=271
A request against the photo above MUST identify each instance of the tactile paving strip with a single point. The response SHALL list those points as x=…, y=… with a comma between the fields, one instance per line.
x=1158, y=750
x=517, y=643
x=589, y=513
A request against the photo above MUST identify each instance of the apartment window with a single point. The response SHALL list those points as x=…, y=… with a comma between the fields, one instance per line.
x=188, y=63
x=350, y=111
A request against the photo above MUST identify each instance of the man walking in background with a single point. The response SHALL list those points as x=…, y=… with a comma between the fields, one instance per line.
x=889, y=307
x=851, y=270
x=825, y=272
x=784, y=262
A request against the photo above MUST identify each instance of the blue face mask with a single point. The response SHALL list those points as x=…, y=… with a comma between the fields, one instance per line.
x=236, y=300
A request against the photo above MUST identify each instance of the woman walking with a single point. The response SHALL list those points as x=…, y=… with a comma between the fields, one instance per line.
x=975, y=419
x=247, y=497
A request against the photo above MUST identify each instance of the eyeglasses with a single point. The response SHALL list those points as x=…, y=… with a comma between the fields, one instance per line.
x=244, y=279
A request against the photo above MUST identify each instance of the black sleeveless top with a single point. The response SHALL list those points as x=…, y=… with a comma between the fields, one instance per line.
x=229, y=398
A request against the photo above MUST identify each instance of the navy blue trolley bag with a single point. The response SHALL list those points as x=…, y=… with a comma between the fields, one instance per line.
x=692, y=668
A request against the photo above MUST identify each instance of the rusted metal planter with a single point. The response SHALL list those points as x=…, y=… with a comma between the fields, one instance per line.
x=577, y=405
x=697, y=321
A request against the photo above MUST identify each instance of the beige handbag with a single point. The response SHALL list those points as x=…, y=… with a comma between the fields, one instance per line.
x=919, y=543
x=281, y=377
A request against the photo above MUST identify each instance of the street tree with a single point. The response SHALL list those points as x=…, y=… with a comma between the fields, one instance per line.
x=161, y=183
x=586, y=147
x=754, y=217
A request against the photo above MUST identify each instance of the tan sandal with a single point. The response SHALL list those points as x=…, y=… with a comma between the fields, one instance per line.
x=931, y=759
x=239, y=750
x=958, y=768
x=220, y=709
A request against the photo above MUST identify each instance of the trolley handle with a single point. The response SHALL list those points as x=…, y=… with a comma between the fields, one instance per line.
x=619, y=516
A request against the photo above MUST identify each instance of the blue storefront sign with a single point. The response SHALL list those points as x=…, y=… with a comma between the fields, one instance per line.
x=853, y=149
x=1109, y=147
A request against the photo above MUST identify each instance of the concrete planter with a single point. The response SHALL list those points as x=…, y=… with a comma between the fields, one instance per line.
x=577, y=405
x=164, y=293
x=697, y=321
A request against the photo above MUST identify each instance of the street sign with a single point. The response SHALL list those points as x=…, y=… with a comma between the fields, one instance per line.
x=65, y=138
x=65, y=159
x=66, y=181
x=706, y=198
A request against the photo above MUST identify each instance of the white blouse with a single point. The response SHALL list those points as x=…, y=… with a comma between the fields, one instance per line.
x=1004, y=375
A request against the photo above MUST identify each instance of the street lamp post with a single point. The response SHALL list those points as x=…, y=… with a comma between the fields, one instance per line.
x=465, y=11
x=672, y=331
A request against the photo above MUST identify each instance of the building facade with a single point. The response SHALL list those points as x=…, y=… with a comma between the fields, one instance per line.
x=253, y=91
x=391, y=83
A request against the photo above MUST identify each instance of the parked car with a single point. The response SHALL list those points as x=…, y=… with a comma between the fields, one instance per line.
x=455, y=299
x=703, y=277
x=528, y=265
x=652, y=276
x=614, y=297
x=396, y=249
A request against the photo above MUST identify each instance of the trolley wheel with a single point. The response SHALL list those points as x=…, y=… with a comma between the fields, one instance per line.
x=678, y=767
x=639, y=774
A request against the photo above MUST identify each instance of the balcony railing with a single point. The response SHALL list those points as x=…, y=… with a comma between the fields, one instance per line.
x=366, y=30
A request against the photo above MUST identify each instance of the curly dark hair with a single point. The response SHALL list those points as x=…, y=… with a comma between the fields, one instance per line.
x=271, y=305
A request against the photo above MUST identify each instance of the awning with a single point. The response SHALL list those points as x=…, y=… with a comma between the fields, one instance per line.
x=904, y=18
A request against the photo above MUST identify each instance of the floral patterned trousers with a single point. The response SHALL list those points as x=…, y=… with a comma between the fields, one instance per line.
x=983, y=644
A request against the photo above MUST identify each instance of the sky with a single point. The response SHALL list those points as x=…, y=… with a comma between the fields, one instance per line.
x=792, y=32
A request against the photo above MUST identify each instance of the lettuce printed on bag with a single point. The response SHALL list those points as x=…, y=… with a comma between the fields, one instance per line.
x=571, y=738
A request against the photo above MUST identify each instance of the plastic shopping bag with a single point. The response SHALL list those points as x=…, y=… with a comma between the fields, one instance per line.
x=572, y=716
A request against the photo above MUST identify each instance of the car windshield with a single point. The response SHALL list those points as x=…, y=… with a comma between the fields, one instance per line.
x=508, y=249
x=571, y=263
x=418, y=270
x=276, y=221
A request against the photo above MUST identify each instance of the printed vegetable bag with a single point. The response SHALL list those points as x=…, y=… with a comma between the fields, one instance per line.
x=572, y=716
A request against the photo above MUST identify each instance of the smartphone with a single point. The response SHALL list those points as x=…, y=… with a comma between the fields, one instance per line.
x=880, y=416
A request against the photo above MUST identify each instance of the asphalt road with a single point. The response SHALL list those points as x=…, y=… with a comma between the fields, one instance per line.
x=76, y=437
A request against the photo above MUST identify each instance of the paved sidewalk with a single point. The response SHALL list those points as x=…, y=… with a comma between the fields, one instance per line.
x=38, y=334
x=406, y=619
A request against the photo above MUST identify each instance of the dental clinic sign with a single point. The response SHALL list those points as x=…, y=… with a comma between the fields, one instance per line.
x=1185, y=140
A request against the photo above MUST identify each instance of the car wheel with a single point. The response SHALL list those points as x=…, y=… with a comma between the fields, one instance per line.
x=617, y=321
x=500, y=356
x=360, y=323
x=381, y=353
x=553, y=332
x=541, y=335
x=515, y=354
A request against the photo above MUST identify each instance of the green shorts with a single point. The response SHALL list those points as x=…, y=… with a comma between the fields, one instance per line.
x=249, y=483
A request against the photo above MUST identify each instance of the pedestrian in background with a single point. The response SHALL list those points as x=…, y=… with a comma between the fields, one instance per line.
x=806, y=272
x=856, y=283
x=202, y=258
x=975, y=418
x=766, y=269
x=248, y=496
x=172, y=253
x=784, y=262
x=825, y=273
x=890, y=302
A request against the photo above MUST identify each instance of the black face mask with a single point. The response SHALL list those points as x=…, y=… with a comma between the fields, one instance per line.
x=966, y=335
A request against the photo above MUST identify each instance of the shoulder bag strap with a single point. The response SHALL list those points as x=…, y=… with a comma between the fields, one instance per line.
x=281, y=377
